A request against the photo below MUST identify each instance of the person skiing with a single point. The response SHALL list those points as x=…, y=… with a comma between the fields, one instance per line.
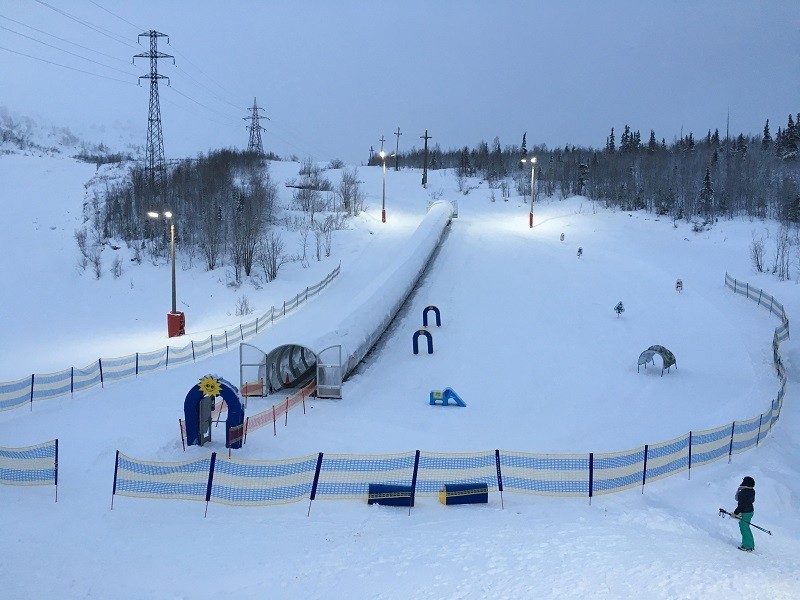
x=745, y=496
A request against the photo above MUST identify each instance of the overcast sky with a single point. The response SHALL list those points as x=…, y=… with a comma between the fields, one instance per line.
x=335, y=76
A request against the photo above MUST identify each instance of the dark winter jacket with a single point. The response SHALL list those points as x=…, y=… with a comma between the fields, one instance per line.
x=745, y=496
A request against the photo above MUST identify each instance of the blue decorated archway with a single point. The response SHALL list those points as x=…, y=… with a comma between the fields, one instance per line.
x=214, y=386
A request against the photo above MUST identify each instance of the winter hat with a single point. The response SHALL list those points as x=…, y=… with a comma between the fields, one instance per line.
x=748, y=482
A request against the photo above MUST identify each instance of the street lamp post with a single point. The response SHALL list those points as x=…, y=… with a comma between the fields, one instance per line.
x=176, y=322
x=383, y=197
x=532, y=160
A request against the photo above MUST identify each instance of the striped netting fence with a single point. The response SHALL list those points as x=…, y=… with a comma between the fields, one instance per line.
x=261, y=419
x=419, y=473
x=44, y=386
x=32, y=465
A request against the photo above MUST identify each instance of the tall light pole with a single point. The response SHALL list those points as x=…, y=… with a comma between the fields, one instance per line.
x=383, y=197
x=175, y=320
x=531, y=160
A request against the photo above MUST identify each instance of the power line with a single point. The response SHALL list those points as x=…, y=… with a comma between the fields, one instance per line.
x=172, y=87
x=182, y=55
x=65, y=40
x=236, y=106
x=106, y=32
x=138, y=27
x=65, y=66
x=66, y=51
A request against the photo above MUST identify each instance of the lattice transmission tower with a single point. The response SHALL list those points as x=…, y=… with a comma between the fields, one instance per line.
x=255, y=128
x=155, y=164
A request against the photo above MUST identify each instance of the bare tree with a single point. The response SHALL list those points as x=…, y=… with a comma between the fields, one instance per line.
x=96, y=262
x=757, y=253
x=251, y=209
x=350, y=192
x=212, y=237
x=270, y=255
x=783, y=248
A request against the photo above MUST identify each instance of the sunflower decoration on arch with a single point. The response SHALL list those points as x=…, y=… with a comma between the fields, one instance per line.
x=210, y=386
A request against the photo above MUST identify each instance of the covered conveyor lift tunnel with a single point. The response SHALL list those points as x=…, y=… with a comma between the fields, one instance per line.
x=330, y=356
x=289, y=366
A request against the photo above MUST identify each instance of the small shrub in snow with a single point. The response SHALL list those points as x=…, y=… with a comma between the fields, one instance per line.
x=243, y=307
x=116, y=267
x=619, y=309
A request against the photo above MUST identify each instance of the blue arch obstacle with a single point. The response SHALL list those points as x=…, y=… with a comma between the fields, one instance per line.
x=445, y=396
x=428, y=336
x=213, y=386
x=435, y=311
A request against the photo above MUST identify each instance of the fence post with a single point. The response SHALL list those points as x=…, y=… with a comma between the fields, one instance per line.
x=730, y=446
x=314, y=483
x=591, y=476
x=226, y=338
x=210, y=481
x=193, y=358
x=100, y=364
x=241, y=331
x=33, y=376
x=137, y=364
x=644, y=468
x=414, y=480
x=771, y=415
x=499, y=476
x=758, y=435
x=690, y=455
x=166, y=363
x=274, y=427
x=55, y=470
x=71, y=381
x=114, y=489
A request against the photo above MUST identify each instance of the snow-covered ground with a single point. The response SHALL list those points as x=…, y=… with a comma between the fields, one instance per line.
x=529, y=340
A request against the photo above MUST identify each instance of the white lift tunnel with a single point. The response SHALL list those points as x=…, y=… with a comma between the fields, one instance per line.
x=347, y=331
x=290, y=366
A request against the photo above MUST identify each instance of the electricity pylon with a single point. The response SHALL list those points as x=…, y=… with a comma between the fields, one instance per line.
x=254, y=144
x=155, y=164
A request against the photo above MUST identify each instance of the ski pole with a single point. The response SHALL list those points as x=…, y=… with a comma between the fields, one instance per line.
x=723, y=512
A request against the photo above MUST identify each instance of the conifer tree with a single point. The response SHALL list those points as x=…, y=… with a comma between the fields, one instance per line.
x=652, y=144
x=611, y=146
x=790, y=140
x=766, y=140
x=707, y=196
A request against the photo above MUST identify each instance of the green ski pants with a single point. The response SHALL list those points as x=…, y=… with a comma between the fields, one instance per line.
x=747, y=534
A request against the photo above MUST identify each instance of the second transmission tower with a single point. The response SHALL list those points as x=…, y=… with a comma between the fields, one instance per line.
x=155, y=164
x=254, y=144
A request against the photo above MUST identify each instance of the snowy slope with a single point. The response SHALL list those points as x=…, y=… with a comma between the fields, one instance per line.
x=530, y=341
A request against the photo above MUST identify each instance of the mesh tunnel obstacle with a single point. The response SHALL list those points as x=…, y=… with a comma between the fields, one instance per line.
x=667, y=358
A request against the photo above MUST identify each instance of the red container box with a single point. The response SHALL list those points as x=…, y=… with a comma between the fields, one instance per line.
x=176, y=324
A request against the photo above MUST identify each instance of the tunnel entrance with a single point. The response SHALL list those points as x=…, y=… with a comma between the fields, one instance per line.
x=289, y=366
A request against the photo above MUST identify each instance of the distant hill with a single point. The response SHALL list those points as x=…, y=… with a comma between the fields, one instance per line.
x=25, y=135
